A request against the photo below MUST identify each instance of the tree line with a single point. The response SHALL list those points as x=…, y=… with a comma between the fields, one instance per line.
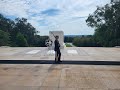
x=19, y=33
x=68, y=39
x=82, y=41
x=85, y=41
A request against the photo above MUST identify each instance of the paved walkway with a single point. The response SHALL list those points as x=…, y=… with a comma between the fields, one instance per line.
x=81, y=69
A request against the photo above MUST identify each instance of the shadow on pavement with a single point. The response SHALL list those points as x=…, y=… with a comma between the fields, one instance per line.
x=63, y=62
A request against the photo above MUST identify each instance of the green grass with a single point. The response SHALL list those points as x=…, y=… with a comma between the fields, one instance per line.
x=68, y=45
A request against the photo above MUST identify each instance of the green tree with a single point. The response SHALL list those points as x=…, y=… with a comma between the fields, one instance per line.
x=39, y=41
x=26, y=29
x=20, y=40
x=6, y=25
x=106, y=21
x=4, y=38
x=20, y=30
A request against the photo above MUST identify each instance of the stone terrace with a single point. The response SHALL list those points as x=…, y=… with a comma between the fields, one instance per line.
x=83, y=68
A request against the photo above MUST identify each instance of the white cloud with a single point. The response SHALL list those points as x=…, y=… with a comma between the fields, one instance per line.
x=16, y=8
x=65, y=20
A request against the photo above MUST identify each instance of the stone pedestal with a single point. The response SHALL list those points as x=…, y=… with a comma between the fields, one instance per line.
x=61, y=38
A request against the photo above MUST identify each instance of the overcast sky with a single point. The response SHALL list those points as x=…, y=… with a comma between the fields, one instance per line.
x=52, y=15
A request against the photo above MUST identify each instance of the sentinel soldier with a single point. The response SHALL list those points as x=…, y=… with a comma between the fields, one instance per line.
x=57, y=50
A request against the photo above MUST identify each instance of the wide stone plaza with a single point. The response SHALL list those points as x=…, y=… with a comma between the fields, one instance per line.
x=83, y=68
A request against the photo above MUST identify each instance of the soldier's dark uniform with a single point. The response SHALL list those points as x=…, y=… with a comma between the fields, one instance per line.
x=57, y=50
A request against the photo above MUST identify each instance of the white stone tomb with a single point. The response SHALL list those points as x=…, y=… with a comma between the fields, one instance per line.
x=61, y=38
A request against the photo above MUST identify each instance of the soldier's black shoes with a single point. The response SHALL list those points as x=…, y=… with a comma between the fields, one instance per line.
x=60, y=61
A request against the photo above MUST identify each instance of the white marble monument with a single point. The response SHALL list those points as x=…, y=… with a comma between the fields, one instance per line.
x=52, y=35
